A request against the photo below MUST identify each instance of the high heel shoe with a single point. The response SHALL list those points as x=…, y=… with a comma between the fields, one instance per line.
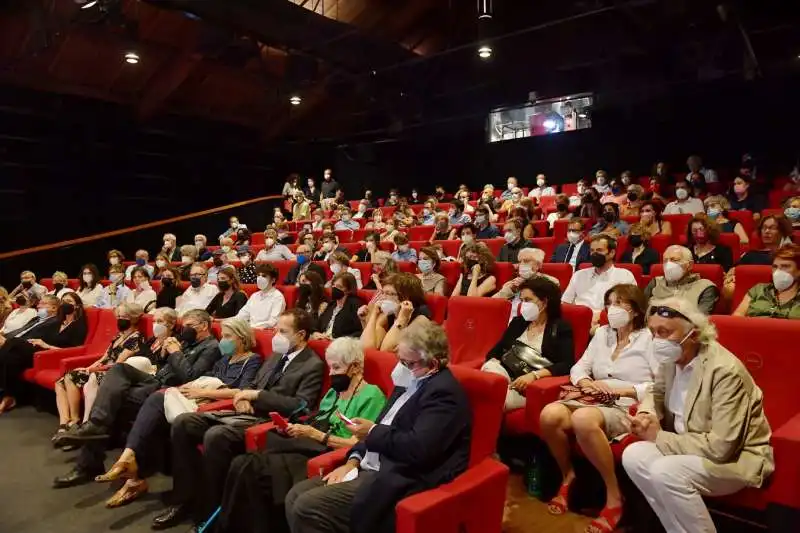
x=121, y=469
x=127, y=493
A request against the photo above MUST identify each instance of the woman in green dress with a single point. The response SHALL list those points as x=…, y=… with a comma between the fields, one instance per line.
x=781, y=298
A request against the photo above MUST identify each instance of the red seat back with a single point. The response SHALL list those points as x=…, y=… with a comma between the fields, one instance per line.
x=679, y=223
x=580, y=318
x=661, y=242
x=283, y=269
x=407, y=266
x=257, y=239
x=746, y=277
x=344, y=235
x=438, y=307
x=622, y=245
x=216, y=329
x=102, y=327
x=420, y=233
x=451, y=270
x=47, y=283
x=744, y=217
x=249, y=288
x=712, y=273
x=541, y=229
x=474, y=325
x=365, y=269
x=289, y=294
x=731, y=240
x=263, y=345
x=450, y=248
x=504, y=272
x=545, y=244
x=494, y=245
x=561, y=271
x=154, y=283
x=351, y=247
x=146, y=325
x=378, y=368
x=73, y=284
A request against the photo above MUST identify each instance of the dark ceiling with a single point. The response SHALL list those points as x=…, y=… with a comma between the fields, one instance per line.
x=381, y=67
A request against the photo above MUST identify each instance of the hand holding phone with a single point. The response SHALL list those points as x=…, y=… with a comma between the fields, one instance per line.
x=279, y=421
x=346, y=420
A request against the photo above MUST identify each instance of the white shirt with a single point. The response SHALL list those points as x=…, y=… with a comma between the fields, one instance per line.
x=677, y=395
x=709, y=175
x=129, y=270
x=279, y=252
x=690, y=206
x=142, y=297
x=588, y=288
x=18, y=318
x=198, y=298
x=90, y=296
x=354, y=271
x=263, y=308
x=107, y=301
x=634, y=367
x=61, y=293
x=538, y=192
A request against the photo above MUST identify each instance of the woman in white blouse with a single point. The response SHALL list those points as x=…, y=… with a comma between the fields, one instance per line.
x=142, y=293
x=612, y=375
x=340, y=262
x=89, y=288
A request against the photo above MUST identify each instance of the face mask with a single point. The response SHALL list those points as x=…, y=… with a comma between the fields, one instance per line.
x=635, y=240
x=167, y=245
x=401, y=376
x=336, y=268
x=140, y=261
x=27, y=284
x=227, y=347
x=509, y=236
x=302, y=259
x=340, y=382
x=143, y=285
x=597, y=259
x=167, y=282
x=529, y=311
x=234, y=225
x=159, y=330
x=601, y=181
x=161, y=263
x=466, y=239
x=666, y=351
x=58, y=286
x=525, y=271
x=226, y=249
x=540, y=183
x=609, y=216
x=42, y=312
x=87, y=278
x=792, y=213
x=67, y=308
x=114, y=261
x=425, y=265
x=451, y=213
x=262, y=282
x=218, y=262
x=389, y=307
x=616, y=189
x=196, y=282
x=186, y=259
x=199, y=244
x=244, y=259
x=713, y=213
x=782, y=280
x=123, y=324
x=21, y=300
x=188, y=335
x=681, y=194
x=739, y=189
x=618, y=317
x=223, y=285
x=281, y=344
x=672, y=271
x=337, y=293
x=116, y=278
x=480, y=219
x=511, y=186
x=269, y=243
x=573, y=237
x=632, y=196
x=701, y=237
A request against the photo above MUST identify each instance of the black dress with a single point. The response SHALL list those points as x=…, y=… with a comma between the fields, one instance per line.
x=646, y=259
x=118, y=345
x=465, y=281
x=720, y=255
x=217, y=309
x=756, y=257
x=346, y=323
x=168, y=296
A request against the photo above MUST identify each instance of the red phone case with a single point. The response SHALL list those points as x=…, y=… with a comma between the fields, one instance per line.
x=279, y=420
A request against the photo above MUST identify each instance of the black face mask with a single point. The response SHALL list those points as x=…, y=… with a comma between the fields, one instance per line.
x=27, y=284
x=58, y=286
x=632, y=196
x=217, y=262
x=305, y=290
x=123, y=324
x=337, y=293
x=609, y=217
x=588, y=198
x=223, y=285
x=67, y=308
x=635, y=240
x=597, y=259
x=167, y=282
x=471, y=263
x=340, y=382
x=561, y=208
x=21, y=300
x=188, y=335
x=196, y=282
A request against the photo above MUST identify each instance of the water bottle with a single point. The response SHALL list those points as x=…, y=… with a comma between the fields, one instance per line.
x=533, y=477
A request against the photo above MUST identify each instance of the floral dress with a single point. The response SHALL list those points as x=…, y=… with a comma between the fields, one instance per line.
x=119, y=344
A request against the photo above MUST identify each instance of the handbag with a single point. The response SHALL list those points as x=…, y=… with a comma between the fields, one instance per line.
x=175, y=403
x=571, y=392
x=522, y=359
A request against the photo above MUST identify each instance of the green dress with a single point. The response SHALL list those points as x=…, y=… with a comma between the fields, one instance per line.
x=367, y=404
x=764, y=303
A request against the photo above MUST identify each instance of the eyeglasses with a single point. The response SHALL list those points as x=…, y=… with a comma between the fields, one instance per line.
x=410, y=364
x=667, y=312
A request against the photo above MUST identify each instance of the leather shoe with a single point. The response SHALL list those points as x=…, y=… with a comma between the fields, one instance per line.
x=73, y=478
x=171, y=517
x=87, y=431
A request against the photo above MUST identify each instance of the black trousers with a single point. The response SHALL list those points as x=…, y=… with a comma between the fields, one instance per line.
x=199, y=477
x=16, y=356
x=248, y=505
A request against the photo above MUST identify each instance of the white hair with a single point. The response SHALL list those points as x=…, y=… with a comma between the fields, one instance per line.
x=170, y=237
x=685, y=253
x=697, y=320
x=346, y=350
x=535, y=253
x=429, y=340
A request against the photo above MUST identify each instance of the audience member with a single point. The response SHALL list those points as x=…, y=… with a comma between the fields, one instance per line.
x=580, y=189
x=301, y=209
x=403, y=251
x=230, y=299
x=530, y=262
x=617, y=194
x=247, y=270
x=685, y=203
x=25, y=313
x=432, y=281
x=590, y=207
x=610, y=224
x=639, y=251
x=282, y=234
x=717, y=208
x=218, y=261
x=228, y=250
x=601, y=184
x=340, y=318
x=457, y=216
x=265, y=305
x=383, y=266
x=575, y=251
x=317, y=220
x=304, y=264
x=89, y=286
x=514, y=241
x=273, y=250
x=162, y=263
x=371, y=245
x=189, y=256
x=142, y=259
x=115, y=257
x=483, y=224
x=200, y=292
x=201, y=243
x=695, y=164
x=27, y=286
x=742, y=198
x=401, y=304
x=328, y=189
x=310, y=191
x=512, y=201
x=291, y=185
x=5, y=307
x=340, y=262
x=537, y=343
x=774, y=231
x=778, y=299
x=703, y=240
x=509, y=191
x=311, y=295
x=702, y=425
x=169, y=248
x=477, y=271
x=170, y=290
x=631, y=206
x=116, y=292
x=679, y=281
x=650, y=217
x=443, y=230
x=346, y=222
x=542, y=188
x=427, y=216
x=377, y=223
x=60, y=287
x=561, y=212
x=361, y=210
x=792, y=211
x=142, y=293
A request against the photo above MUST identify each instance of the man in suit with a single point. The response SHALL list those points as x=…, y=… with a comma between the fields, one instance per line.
x=44, y=319
x=304, y=264
x=575, y=251
x=123, y=385
x=702, y=425
x=421, y=440
x=290, y=382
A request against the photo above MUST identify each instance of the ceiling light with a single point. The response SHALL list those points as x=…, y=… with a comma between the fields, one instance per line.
x=132, y=58
x=89, y=5
x=549, y=124
x=485, y=9
x=485, y=51
x=295, y=99
x=582, y=115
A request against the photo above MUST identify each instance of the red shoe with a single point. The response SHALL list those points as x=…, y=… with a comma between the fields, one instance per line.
x=558, y=505
x=611, y=517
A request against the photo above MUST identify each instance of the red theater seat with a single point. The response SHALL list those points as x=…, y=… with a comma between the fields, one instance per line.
x=450, y=248
x=561, y=271
x=748, y=276
x=451, y=270
x=344, y=235
x=494, y=245
x=661, y=242
x=504, y=272
x=745, y=217
x=474, y=325
x=679, y=223
x=420, y=233
x=545, y=244
x=283, y=268
x=438, y=307
x=289, y=294
x=249, y=288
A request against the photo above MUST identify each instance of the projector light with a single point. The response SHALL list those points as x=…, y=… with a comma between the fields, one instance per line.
x=132, y=58
x=549, y=124
x=582, y=115
x=295, y=99
x=485, y=52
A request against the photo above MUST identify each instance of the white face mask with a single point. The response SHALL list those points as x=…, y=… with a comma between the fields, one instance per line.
x=573, y=237
x=509, y=236
x=672, y=271
x=161, y=263
x=262, y=283
x=87, y=278
x=511, y=186
x=159, y=330
x=167, y=245
x=389, y=307
x=401, y=376
x=466, y=239
x=525, y=271
x=618, y=317
x=281, y=344
x=529, y=311
x=666, y=351
x=782, y=280
x=540, y=183
x=681, y=194
x=199, y=244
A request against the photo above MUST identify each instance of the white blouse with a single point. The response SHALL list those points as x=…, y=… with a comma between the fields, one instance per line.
x=89, y=296
x=634, y=367
x=142, y=298
x=18, y=318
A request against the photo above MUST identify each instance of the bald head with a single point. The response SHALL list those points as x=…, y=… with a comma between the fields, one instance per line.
x=678, y=254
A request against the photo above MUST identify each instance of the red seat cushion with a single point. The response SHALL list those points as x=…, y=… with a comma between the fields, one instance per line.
x=474, y=325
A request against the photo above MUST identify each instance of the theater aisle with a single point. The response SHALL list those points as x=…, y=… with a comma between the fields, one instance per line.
x=28, y=464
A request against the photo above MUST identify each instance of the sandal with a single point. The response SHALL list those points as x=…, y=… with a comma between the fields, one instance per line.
x=127, y=470
x=611, y=517
x=558, y=505
x=7, y=404
x=62, y=428
x=130, y=491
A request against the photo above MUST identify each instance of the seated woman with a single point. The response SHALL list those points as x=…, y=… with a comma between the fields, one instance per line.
x=89, y=287
x=717, y=208
x=340, y=262
x=775, y=231
x=162, y=263
x=561, y=212
x=126, y=343
x=650, y=218
x=59, y=285
x=27, y=304
x=791, y=210
x=610, y=224
x=477, y=269
x=234, y=371
x=639, y=251
x=377, y=223
x=702, y=238
x=778, y=299
x=537, y=343
x=390, y=231
x=371, y=246
x=632, y=205
x=116, y=292
x=142, y=294
x=402, y=303
x=340, y=318
x=318, y=218
x=257, y=483
x=65, y=330
x=443, y=231
x=428, y=265
x=170, y=289
x=230, y=299
x=311, y=295
x=614, y=372
x=383, y=266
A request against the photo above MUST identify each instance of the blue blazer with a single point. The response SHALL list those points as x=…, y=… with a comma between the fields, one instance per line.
x=560, y=254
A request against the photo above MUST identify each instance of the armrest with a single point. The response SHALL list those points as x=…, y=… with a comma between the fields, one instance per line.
x=474, y=501
x=219, y=405
x=786, y=448
x=50, y=359
x=475, y=364
x=323, y=464
x=71, y=363
x=540, y=393
x=255, y=437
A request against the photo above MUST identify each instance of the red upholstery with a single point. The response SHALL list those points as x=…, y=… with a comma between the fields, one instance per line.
x=438, y=306
x=324, y=265
x=450, y=248
x=407, y=266
x=504, y=272
x=47, y=283
x=744, y=217
x=289, y=294
x=746, y=277
x=622, y=245
x=731, y=240
x=248, y=288
x=451, y=270
x=474, y=501
x=474, y=325
x=679, y=223
x=420, y=233
x=660, y=243
x=541, y=228
x=352, y=248
x=283, y=269
x=494, y=245
x=365, y=269
x=344, y=235
x=546, y=244
x=561, y=271
x=712, y=273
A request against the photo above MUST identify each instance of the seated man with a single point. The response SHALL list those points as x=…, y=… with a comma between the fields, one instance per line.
x=421, y=440
x=575, y=251
x=483, y=223
x=180, y=361
x=514, y=241
x=679, y=281
x=588, y=286
x=346, y=221
x=530, y=261
x=200, y=292
x=702, y=424
x=303, y=253
x=289, y=383
x=402, y=250
x=265, y=305
x=28, y=285
x=142, y=260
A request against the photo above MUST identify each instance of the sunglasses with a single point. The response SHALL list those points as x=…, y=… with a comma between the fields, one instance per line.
x=667, y=312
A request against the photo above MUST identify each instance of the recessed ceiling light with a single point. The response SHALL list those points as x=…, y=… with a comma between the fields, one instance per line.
x=132, y=58
x=485, y=52
x=295, y=99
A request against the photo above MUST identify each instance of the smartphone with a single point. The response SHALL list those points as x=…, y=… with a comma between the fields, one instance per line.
x=346, y=420
x=279, y=421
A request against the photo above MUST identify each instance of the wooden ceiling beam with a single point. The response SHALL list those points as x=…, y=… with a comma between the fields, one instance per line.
x=165, y=82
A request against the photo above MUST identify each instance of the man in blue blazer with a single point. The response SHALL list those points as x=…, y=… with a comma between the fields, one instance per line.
x=421, y=440
x=575, y=251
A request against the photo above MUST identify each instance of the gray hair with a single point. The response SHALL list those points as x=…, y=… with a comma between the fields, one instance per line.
x=169, y=315
x=241, y=330
x=535, y=253
x=429, y=340
x=346, y=350
x=133, y=310
x=170, y=237
x=198, y=314
x=707, y=333
x=189, y=250
x=685, y=253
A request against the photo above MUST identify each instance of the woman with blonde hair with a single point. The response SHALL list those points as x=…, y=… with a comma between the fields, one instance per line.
x=382, y=266
x=377, y=223
x=59, y=284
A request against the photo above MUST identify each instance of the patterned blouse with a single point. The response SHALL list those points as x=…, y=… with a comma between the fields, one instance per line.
x=115, y=349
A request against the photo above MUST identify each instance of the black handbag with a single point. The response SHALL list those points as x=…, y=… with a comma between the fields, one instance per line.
x=522, y=359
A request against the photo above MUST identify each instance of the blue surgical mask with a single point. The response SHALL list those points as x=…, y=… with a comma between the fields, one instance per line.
x=425, y=265
x=140, y=261
x=301, y=259
x=42, y=312
x=792, y=213
x=227, y=347
x=713, y=213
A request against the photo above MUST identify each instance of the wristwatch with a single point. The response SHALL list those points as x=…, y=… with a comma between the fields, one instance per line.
x=325, y=438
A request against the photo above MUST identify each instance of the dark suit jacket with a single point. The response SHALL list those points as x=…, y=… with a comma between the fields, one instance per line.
x=294, y=273
x=647, y=258
x=560, y=253
x=297, y=389
x=190, y=362
x=427, y=444
x=36, y=332
x=347, y=323
x=557, y=343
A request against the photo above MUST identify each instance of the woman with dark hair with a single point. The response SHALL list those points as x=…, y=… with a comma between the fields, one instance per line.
x=311, y=294
x=230, y=299
x=340, y=318
x=537, y=343
x=717, y=208
x=616, y=370
x=610, y=224
x=170, y=289
x=775, y=231
x=142, y=293
x=477, y=267
x=89, y=287
x=428, y=265
x=402, y=303
x=650, y=217
x=590, y=204
x=702, y=238
x=371, y=245
x=639, y=251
